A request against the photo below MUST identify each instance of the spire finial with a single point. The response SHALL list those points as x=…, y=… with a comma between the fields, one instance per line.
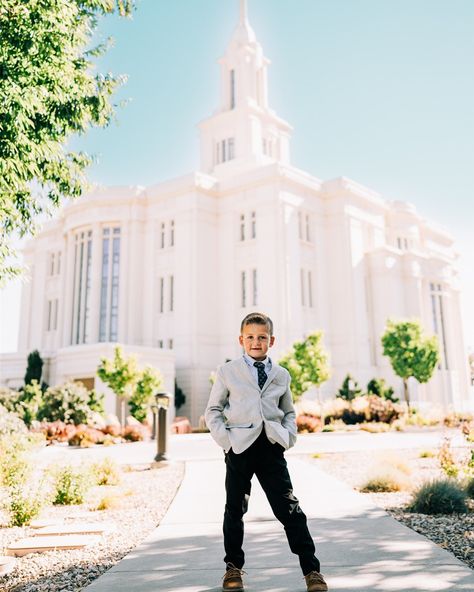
x=243, y=11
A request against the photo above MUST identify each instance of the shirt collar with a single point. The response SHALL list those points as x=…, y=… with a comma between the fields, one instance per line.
x=250, y=361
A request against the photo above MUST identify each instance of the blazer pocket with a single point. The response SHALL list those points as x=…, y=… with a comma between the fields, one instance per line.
x=230, y=426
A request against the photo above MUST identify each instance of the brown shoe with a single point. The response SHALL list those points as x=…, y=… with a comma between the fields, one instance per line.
x=233, y=579
x=315, y=582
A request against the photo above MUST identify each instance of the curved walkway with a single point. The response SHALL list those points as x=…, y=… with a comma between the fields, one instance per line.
x=360, y=546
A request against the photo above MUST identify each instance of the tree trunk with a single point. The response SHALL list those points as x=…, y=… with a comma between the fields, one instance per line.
x=405, y=392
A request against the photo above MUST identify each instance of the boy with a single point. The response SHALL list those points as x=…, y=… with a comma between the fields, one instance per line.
x=250, y=415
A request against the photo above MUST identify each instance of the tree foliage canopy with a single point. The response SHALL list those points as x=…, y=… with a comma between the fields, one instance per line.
x=48, y=92
x=411, y=353
x=307, y=363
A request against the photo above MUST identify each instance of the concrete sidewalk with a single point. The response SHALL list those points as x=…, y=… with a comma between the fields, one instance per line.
x=360, y=546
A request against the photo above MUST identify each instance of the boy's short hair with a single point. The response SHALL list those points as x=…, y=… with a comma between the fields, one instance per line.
x=257, y=318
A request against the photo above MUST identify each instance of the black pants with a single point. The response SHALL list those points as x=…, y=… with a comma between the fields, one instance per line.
x=265, y=460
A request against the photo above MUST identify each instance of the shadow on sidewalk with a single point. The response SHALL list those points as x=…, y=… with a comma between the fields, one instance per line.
x=355, y=552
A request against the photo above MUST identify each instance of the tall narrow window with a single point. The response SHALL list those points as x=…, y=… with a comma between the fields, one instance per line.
x=231, y=148
x=58, y=264
x=242, y=227
x=310, y=289
x=224, y=156
x=300, y=225
x=254, y=287
x=50, y=314
x=232, y=89
x=162, y=294
x=303, y=299
x=170, y=343
x=109, y=290
x=172, y=233
x=308, y=228
x=81, y=287
x=51, y=264
x=162, y=235
x=218, y=152
x=437, y=306
x=243, y=291
x=253, y=224
x=171, y=293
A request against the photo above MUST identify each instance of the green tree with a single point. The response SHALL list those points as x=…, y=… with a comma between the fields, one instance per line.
x=307, y=362
x=34, y=368
x=378, y=386
x=349, y=389
x=179, y=396
x=120, y=374
x=411, y=353
x=48, y=92
x=149, y=381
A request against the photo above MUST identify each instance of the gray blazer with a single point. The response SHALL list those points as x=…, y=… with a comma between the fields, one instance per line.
x=237, y=407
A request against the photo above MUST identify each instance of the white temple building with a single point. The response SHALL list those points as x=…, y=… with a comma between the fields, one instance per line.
x=170, y=270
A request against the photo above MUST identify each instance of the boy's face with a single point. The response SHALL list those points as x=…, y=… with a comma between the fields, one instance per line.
x=255, y=339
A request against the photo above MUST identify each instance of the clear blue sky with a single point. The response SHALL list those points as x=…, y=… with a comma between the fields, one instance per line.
x=381, y=91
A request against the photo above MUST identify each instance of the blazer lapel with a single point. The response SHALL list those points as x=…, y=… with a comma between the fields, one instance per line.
x=247, y=373
x=271, y=376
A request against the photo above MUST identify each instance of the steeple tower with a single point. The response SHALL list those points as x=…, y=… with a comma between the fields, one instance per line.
x=243, y=132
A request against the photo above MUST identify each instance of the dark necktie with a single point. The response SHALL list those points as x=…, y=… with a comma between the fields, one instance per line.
x=262, y=375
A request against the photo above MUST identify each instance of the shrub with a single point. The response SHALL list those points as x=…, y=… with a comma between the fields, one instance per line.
x=346, y=393
x=113, y=429
x=446, y=459
x=426, y=454
x=108, y=502
x=470, y=488
x=366, y=408
x=106, y=472
x=57, y=431
x=308, y=423
x=441, y=496
x=24, y=403
x=25, y=503
x=378, y=387
x=85, y=436
x=10, y=423
x=8, y=398
x=70, y=403
x=135, y=433
x=71, y=485
x=387, y=481
x=150, y=380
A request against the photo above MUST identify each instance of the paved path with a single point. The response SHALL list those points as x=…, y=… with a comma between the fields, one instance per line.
x=360, y=546
x=200, y=447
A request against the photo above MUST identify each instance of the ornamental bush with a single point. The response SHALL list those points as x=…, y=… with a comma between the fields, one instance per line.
x=308, y=423
x=441, y=496
x=70, y=402
x=71, y=485
x=10, y=423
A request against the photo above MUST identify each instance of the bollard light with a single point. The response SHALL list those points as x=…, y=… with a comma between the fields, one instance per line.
x=162, y=403
x=154, y=431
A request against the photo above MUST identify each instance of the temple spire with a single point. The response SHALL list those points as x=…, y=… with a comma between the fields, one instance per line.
x=243, y=12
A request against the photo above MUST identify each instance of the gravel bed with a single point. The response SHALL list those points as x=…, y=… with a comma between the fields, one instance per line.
x=144, y=495
x=453, y=532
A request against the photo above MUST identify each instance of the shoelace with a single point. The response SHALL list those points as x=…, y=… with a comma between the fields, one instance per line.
x=231, y=571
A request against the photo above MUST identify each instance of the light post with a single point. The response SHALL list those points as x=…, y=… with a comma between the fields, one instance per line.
x=162, y=403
